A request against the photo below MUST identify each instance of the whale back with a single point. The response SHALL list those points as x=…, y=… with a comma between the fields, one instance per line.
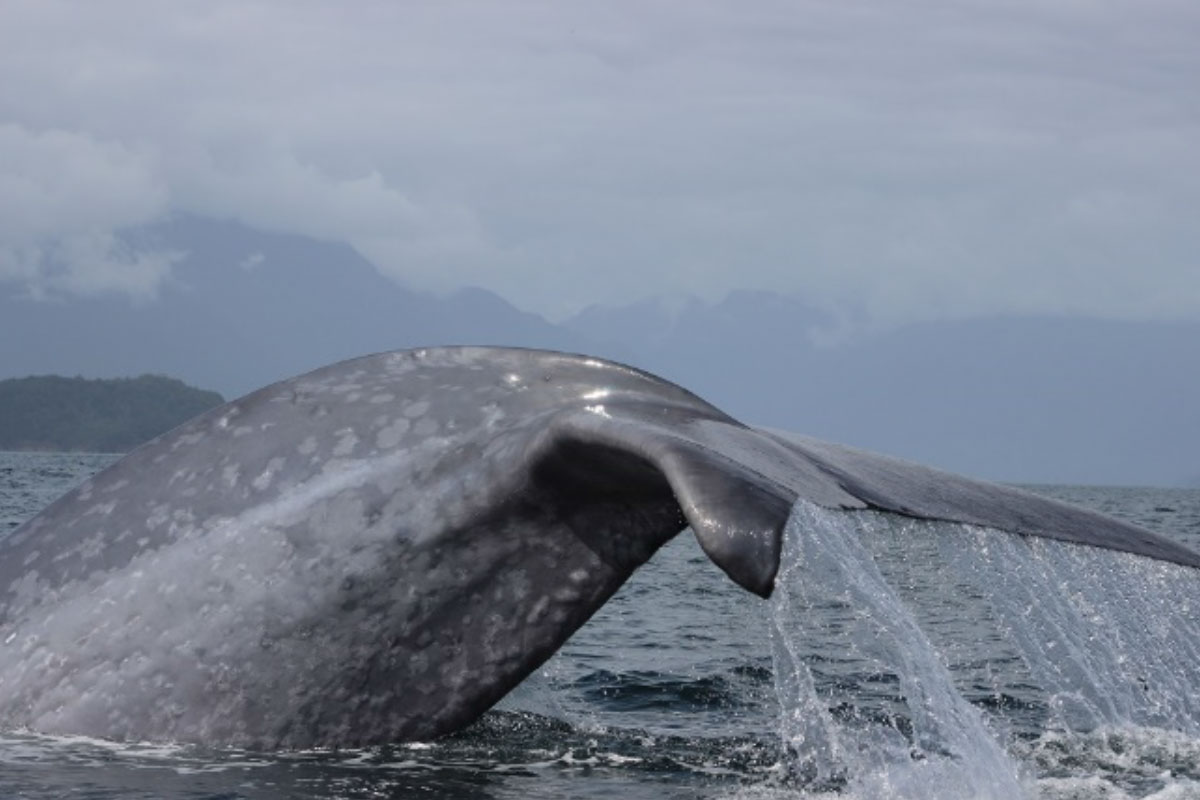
x=375, y=551
x=381, y=549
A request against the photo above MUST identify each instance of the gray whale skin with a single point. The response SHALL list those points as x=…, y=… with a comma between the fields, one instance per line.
x=379, y=550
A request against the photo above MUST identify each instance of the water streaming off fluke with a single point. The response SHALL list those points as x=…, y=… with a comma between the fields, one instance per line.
x=918, y=659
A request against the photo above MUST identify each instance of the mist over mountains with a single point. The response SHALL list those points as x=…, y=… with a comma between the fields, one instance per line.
x=1007, y=398
x=244, y=308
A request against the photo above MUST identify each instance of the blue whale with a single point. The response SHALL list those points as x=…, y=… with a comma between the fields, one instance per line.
x=379, y=550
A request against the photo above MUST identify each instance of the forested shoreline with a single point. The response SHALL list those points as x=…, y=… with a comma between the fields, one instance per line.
x=113, y=415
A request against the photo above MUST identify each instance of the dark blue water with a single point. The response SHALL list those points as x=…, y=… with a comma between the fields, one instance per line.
x=897, y=659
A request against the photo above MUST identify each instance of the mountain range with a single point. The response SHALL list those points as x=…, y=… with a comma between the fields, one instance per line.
x=1027, y=399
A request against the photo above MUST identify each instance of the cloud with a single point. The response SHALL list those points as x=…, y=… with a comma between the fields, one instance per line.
x=912, y=160
x=252, y=261
x=62, y=196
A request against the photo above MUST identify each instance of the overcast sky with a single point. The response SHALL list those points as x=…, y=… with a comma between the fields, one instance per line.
x=898, y=159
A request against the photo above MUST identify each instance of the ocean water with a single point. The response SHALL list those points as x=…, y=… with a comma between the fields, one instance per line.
x=897, y=659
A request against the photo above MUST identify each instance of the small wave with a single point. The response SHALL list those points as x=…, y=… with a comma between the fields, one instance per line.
x=1125, y=761
x=639, y=691
x=503, y=738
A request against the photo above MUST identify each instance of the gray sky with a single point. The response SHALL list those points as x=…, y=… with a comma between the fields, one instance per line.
x=896, y=160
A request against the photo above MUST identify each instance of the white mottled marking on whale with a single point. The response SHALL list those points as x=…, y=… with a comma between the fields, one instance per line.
x=413, y=410
x=347, y=441
x=392, y=435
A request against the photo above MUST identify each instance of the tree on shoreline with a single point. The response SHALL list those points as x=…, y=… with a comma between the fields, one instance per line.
x=52, y=412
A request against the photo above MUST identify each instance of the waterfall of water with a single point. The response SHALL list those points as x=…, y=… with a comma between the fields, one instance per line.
x=1112, y=639
x=867, y=701
x=919, y=659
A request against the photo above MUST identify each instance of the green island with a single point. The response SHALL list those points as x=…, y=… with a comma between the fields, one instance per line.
x=55, y=413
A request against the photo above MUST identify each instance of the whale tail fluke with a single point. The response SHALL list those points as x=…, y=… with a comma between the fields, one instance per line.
x=735, y=486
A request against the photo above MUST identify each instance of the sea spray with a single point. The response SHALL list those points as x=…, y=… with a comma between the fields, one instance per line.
x=1111, y=639
x=841, y=634
x=916, y=657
